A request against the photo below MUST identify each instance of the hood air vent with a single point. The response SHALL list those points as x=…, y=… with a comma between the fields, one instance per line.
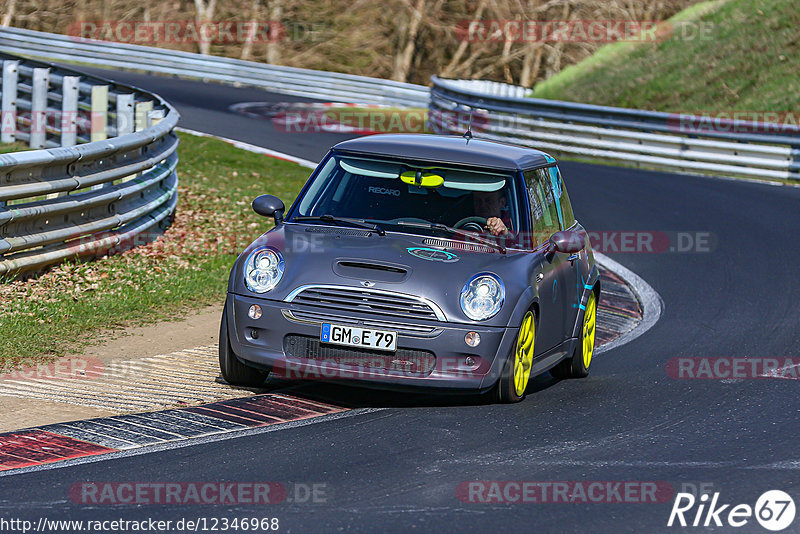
x=373, y=271
x=339, y=231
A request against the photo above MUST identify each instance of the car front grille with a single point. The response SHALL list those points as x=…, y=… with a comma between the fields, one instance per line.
x=407, y=361
x=371, y=301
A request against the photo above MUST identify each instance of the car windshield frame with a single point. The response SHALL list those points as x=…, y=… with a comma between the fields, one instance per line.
x=330, y=174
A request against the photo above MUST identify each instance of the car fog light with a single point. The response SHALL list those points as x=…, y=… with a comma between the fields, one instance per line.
x=254, y=312
x=472, y=339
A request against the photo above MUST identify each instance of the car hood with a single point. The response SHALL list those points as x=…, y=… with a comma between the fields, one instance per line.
x=403, y=263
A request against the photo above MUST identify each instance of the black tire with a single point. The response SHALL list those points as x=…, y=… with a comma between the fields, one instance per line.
x=574, y=366
x=505, y=393
x=505, y=390
x=234, y=371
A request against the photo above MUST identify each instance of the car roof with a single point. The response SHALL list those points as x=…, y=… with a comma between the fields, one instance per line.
x=447, y=149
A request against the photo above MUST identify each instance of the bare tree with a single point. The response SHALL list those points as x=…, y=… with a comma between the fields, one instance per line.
x=247, y=47
x=204, y=12
x=8, y=15
x=405, y=40
x=402, y=60
x=273, y=44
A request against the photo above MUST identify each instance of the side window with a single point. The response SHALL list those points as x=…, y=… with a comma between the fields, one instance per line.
x=544, y=210
x=560, y=191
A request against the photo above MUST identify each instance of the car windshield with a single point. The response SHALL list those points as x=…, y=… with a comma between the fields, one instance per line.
x=408, y=197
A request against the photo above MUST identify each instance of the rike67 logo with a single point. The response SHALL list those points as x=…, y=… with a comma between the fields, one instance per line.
x=774, y=510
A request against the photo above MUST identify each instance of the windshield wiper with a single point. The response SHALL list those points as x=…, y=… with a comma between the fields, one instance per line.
x=456, y=231
x=342, y=220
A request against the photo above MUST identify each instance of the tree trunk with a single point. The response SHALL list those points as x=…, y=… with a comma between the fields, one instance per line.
x=247, y=47
x=402, y=61
x=462, y=46
x=204, y=13
x=531, y=64
x=505, y=59
x=275, y=36
x=8, y=16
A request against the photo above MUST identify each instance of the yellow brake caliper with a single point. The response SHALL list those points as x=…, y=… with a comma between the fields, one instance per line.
x=589, y=321
x=523, y=360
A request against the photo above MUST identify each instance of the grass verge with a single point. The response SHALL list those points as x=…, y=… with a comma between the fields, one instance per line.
x=736, y=55
x=7, y=148
x=75, y=304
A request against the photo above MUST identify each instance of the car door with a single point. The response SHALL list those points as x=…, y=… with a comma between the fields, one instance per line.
x=551, y=282
x=573, y=267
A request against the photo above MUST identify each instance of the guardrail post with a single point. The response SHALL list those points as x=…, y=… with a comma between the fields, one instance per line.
x=124, y=114
x=69, y=111
x=99, y=113
x=125, y=123
x=9, y=104
x=794, y=165
x=41, y=83
x=99, y=118
x=143, y=115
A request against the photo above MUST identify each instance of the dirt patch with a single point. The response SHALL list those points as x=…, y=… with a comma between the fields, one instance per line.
x=195, y=330
x=133, y=343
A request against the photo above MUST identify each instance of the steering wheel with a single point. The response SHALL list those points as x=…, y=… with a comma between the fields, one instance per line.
x=470, y=223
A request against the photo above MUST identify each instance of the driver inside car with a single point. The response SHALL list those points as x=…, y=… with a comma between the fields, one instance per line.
x=492, y=207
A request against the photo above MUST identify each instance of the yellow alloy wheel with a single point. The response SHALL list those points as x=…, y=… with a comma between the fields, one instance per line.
x=589, y=323
x=523, y=357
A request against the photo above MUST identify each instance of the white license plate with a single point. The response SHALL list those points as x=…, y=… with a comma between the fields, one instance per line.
x=358, y=337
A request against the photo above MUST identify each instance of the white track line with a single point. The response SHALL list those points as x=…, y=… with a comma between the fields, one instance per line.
x=651, y=301
x=253, y=148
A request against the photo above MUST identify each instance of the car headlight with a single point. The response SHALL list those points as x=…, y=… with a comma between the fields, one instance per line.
x=263, y=269
x=483, y=296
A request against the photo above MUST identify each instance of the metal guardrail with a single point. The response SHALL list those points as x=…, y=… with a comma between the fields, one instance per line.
x=101, y=174
x=646, y=138
x=330, y=86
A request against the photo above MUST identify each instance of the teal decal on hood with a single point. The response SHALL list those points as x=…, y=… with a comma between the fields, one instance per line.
x=433, y=254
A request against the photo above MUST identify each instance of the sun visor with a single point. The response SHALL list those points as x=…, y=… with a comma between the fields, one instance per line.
x=473, y=181
x=375, y=169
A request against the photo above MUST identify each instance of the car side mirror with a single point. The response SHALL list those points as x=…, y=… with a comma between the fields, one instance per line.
x=566, y=241
x=269, y=206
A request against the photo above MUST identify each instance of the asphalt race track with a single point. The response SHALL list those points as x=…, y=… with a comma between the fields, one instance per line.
x=398, y=464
